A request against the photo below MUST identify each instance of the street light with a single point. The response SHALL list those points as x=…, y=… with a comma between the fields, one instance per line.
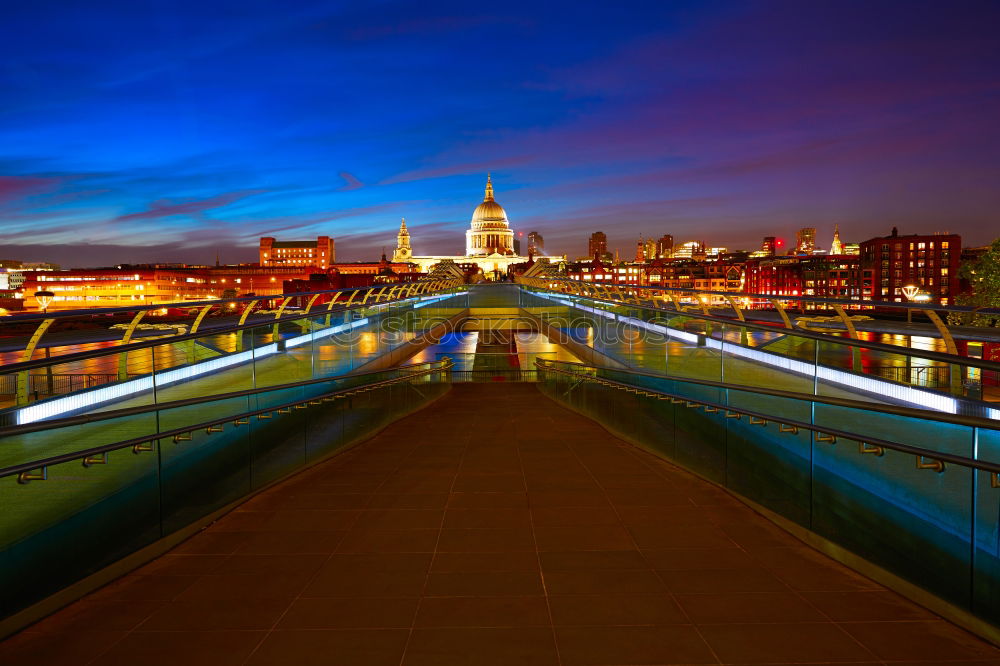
x=44, y=298
x=914, y=294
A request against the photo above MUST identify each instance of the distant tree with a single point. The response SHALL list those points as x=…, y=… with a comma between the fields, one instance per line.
x=983, y=276
x=230, y=293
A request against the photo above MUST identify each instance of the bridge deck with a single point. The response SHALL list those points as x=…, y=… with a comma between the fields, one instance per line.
x=493, y=528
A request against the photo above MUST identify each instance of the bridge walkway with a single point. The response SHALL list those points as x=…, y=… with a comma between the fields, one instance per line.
x=494, y=527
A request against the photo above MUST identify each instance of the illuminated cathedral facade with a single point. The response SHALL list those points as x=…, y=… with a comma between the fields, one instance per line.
x=489, y=241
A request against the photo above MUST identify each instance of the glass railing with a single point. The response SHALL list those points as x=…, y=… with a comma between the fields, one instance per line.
x=231, y=353
x=80, y=493
x=913, y=492
x=700, y=346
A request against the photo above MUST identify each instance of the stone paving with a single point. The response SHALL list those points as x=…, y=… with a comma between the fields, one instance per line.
x=494, y=527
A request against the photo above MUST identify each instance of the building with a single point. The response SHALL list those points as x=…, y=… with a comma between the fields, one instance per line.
x=597, y=246
x=489, y=241
x=769, y=246
x=665, y=246
x=403, y=250
x=319, y=253
x=820, y=276
x=690, y=250
x=805, y=240
x=930, y=263
x=536, y=244
x=836, y=247
x=640, y=251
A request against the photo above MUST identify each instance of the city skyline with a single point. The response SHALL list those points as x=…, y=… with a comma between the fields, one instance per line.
x=128, y=137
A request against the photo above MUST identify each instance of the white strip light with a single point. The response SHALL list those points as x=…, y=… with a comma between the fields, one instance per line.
x=903, y=393
x=120, y=390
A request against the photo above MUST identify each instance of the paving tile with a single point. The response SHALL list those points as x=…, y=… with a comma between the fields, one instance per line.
x=364, y=563
x=733, y=607
x=724, y=581
x=32, y=648
x=925, y=641
x=350, y=612
x=780, y=643
x=275, y=585
x=408, y=501
x=251, y=563
x=655, y=537
x=471, y=518
x=503, y=561
x=866, y=606
x=400, y=518
x=364, y=540
x=688, y=559
x=604, y=581
x=90, y=615
x=485, y=540
x=478, y=611
x=488, y=500
x=489, y=483
x=566, y=498
x=366, y=584
x=278, y=543
x=228, y=613
x=632, y=645
x=592, y=559
x=615, y=609
x=182, y=565
x=440, y=646
x=169, y=648
x=144, y=588
x=591, y=537
x=318, y=647
x=484, y=583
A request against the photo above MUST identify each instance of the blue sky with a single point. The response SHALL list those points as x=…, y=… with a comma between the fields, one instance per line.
x=156, y=131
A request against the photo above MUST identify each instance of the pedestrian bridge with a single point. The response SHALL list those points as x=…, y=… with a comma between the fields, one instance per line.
x=496, y=474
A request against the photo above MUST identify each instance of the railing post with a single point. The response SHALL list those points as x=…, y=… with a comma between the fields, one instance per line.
x=23, y=377
x=126, y=338
x=243, y=319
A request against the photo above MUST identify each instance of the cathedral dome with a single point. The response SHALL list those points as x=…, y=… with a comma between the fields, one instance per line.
x=489, y=214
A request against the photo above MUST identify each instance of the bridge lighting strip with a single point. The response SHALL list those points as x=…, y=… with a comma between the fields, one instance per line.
x=935, y=401
x=428, y=300
x=94, y=397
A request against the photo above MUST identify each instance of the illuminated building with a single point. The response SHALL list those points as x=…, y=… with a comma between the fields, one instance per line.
x=928, y=262
x=114, y=287
x=403, y=250
x=821, y=276
x=597, y=246
x=805, y=240
x=640, y=251
x=665, y=246
x=536, y=244
x=836, y=247
x=489, y=241
x=319, y=253
x=490, y=232
x=690, y=250
x=769, y=246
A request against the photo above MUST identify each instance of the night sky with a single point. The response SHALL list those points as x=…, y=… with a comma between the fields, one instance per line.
x=169, y=131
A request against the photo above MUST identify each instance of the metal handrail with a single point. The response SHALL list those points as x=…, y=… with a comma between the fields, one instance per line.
x=23, y=468
x=145, y=344
x=921, y=453
x=992, y=366
x=96, y=417
x=896, y=410
x=965, y=309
